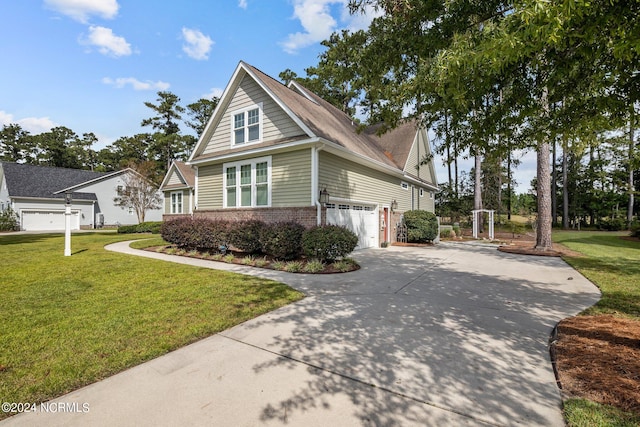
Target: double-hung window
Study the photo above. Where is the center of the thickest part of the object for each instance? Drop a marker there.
(247, 183)
(247, 125)
(176, 202)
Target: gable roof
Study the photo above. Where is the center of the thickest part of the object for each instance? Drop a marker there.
(34, 181)
(184, 171)
(319, 120)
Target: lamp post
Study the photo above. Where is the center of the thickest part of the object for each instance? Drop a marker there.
(67, 224)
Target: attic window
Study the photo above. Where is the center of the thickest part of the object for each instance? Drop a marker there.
(247, 125)
(404, 185)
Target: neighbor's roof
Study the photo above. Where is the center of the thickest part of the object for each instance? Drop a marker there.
(43, 181)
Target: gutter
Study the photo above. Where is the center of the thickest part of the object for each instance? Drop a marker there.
(315, 190)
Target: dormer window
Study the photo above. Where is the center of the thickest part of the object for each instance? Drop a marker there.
(247, 125)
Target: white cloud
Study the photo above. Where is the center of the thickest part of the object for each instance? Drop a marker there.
(318, 23)
(81, 10)
(107, 42)
(34, 125)
(197, 44)
(135, 83)
(315, 17)
(215, 92)
(242, 4)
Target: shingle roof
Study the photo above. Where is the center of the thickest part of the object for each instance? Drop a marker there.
(188, 173)
(327, 121)
(43, 181)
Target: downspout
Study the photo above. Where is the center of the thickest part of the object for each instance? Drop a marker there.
(315, 190)
(195, 201)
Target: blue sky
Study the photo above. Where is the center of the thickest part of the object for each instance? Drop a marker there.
(90, 65)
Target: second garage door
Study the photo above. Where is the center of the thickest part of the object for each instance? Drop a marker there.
(47, 220)
(360, 218)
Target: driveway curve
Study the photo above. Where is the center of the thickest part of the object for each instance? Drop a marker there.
(449, 335)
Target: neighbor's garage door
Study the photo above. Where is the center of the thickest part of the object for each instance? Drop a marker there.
(48, 220)
(359, 218)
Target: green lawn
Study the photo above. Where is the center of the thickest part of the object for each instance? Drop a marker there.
(613, 264)
(69, 321)
(610, 262)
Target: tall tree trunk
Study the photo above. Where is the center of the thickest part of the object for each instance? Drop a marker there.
(632, 131)
(447, 142)
(543, 232)
(565, 187)
(477, 191)
(509, 184)
(554, 184)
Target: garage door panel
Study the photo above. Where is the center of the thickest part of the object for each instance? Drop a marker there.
(48, 220)
(360, 219)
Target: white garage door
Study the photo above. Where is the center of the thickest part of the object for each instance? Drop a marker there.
(48, 220)
(360, 218)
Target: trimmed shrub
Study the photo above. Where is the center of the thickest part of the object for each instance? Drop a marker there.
(196, 233)
(328, 242)
(422, 226)
(282, 240)
(9, 220)
(143, 227)
(635, 229)
(245, 235)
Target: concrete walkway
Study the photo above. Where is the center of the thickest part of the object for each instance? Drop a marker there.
(440, 336)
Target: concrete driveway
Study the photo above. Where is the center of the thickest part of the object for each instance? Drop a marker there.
(445, 336)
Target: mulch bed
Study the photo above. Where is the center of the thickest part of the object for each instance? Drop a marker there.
(598, 358)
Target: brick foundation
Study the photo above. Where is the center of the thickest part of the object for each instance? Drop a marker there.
(307, 215)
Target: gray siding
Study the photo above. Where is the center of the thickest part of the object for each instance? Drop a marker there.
(174, 178)
(349, 180)
(276, 123)
(419, 150)
(291, 179)
(210, 187)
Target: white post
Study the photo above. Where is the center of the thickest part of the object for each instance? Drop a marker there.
(475, 224)
(491, 225)
(67, 230)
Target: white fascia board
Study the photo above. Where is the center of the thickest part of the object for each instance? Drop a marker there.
(93, 181)
(256, 151)
(234, 82)
(282, 105)
(218, 111)
(177, 170)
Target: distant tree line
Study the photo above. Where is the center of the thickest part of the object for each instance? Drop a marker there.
(62, 147)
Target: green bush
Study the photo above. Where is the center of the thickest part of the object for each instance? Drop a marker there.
(245, 236)
(422, 226)
(202, 234)
(613, 224)
(445, 233)
(9, 220)
(282, 240)
(143, 227)
(635, 229)
(328, 242)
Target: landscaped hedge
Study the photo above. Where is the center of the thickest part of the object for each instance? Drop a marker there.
(422, 226)
(282, 240)
(635, 229)
(245, 235)
(328, 242)
(143, 227)
(196, 233)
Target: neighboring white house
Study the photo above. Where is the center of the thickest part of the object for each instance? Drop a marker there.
(34, 193)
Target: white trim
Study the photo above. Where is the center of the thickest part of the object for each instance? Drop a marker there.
(252, 162)
(171, 194)
(195, 190)
(256, 151)
(245, 112)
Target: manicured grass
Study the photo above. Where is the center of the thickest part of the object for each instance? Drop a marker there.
(612, 264)
(69, 321)
(583, 413)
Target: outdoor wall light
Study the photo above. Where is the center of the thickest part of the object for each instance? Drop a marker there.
(67, 198)
(394, 205)
(324, 196)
